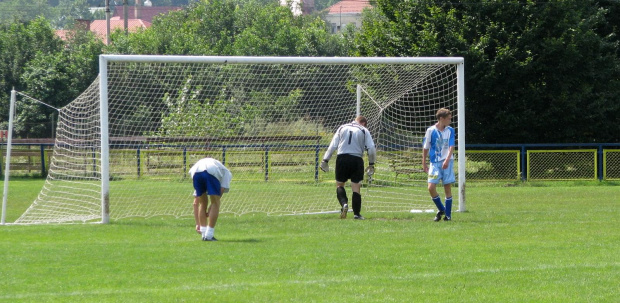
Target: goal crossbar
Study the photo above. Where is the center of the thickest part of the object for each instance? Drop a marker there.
(279, 60)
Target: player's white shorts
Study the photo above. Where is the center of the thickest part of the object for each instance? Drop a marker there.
(436, 173)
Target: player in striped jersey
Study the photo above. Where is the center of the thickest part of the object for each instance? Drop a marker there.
(438, 147)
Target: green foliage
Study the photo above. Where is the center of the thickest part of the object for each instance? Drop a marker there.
(36, 62)
(23, 11)
(57, 78)
(257, 114)
(60, 13)
(551, 78)
(188, 116)
(21, 43)
(535, 71)
(400, 28)
(69, 10)
(228, 27)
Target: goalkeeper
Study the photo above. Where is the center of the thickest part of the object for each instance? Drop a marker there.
(211, 178)
(351, 140)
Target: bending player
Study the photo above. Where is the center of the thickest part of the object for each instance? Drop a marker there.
(211, 178)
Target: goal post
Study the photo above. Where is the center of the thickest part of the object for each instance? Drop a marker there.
(461, 134)
(124, 146)
(105, 140)
(7, 166)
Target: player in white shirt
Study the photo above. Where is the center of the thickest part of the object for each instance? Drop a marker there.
(351, 140)
(211, 178)
(438, 147)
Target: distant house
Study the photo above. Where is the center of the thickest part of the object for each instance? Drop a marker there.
(346, 12)
(144, 13)
(99, 27)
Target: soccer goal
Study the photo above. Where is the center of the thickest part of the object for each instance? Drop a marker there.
(124, 146)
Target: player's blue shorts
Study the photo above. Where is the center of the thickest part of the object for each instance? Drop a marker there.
(436, 173)
(206, 183)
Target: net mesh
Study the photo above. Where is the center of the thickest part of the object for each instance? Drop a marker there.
(268, 123)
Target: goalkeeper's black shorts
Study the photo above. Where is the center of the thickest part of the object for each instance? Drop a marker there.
(349, 167)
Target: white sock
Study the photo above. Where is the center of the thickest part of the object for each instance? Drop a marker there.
(209, 232)
(203, 230)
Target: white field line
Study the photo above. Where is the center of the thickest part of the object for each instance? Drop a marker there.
(31, 294)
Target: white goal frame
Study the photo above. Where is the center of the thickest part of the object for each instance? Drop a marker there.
(103, 85)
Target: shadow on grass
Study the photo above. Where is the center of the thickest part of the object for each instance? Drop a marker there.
(239, 241)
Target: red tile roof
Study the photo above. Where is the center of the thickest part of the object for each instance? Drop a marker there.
(99, 26)
(62, 33)
(349, 6)
(147, 14)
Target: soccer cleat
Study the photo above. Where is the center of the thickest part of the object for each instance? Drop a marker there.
(446, 218)
(438, 216)
(344, 210)
(207, 239)
(359, 217)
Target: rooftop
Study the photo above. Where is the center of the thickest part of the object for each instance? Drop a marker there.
(349, 6)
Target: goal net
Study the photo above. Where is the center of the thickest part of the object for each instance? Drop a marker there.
(124, 147)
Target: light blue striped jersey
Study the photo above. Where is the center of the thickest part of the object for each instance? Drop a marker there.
(438, 143)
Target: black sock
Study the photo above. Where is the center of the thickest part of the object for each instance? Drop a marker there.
(357, 203)
(342, 196)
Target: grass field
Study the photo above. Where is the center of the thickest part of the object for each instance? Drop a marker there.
(525, 243)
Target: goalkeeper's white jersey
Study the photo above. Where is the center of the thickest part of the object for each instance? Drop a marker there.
(214, 168)
(352, 139)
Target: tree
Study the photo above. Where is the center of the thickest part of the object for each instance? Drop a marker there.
(228, 27)
(536, 72)
(276, 31)
(19, 44)
(543, 75)
(57, 78)
(22, 10)
(69, 10)
(60, 13)
(35, 61)
(611, 26)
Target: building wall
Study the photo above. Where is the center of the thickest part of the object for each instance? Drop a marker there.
(339, 21)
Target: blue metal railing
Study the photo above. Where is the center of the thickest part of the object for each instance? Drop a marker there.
(267, 148)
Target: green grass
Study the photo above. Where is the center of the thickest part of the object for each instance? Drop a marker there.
(523, 243)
